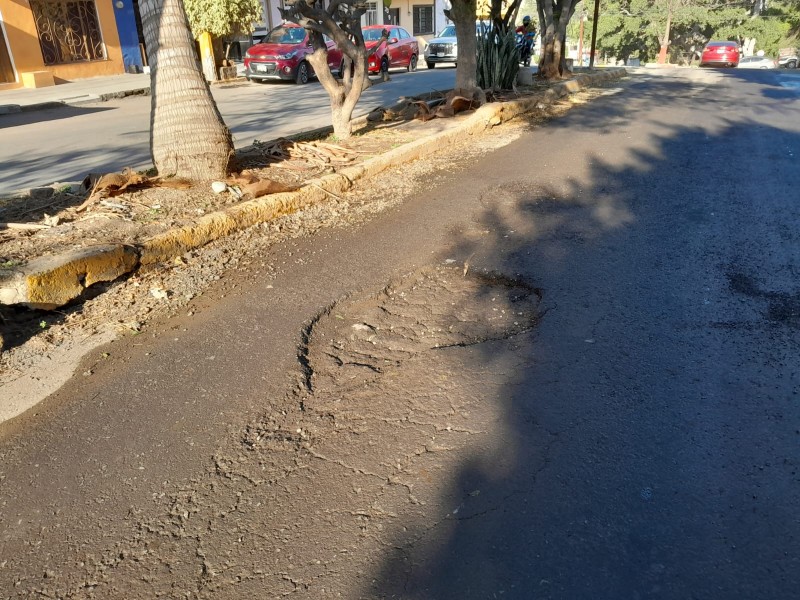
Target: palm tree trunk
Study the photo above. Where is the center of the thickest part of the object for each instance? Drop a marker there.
(188, 137)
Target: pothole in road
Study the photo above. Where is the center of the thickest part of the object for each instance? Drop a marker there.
(435, 308)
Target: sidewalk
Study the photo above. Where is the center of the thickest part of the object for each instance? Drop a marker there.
(80, 91)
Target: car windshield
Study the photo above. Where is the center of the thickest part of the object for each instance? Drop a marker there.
(449, 31)
(285, 35)
(372, 35)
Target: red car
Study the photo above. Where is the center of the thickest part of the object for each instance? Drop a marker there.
(721, 54)
(401, 50)
(281, 54)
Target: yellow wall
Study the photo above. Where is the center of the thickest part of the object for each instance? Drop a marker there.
(26, 54)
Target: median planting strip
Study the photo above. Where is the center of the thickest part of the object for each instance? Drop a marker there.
(50, 282)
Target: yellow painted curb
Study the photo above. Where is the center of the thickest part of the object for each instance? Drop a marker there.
(53, 281)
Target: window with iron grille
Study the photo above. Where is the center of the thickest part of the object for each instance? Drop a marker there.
(69, 30)
(423, 20)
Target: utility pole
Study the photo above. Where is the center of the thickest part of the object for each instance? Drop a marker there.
(662, 53)
(594, 32)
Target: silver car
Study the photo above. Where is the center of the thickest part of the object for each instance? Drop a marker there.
(756, 62)
(443, 48)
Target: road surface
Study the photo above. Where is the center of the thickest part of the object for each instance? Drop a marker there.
(564, 368)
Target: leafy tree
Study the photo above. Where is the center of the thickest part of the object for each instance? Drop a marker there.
(341, 22)
(222, 18)
(637, 27)
(188, 137)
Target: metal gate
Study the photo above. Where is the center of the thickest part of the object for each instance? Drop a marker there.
(69, 31)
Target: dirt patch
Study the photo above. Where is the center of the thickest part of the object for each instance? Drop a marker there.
(124, 307)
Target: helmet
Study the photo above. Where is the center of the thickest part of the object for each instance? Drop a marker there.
(526, 19)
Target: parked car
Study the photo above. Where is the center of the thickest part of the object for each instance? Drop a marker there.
(443, 48)
(788, 58)
(757, 62)
(281, 54)
(721, 54)
(401, 49)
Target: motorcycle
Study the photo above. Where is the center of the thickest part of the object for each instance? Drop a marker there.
(525, 45)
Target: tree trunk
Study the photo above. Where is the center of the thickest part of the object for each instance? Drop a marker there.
(344, 94)
(662, 53)
(462, 14)
(342, 123)
(188, 137)
(552, 64)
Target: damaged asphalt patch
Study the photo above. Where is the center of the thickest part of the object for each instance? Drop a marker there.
(308, 499)
(429, 310)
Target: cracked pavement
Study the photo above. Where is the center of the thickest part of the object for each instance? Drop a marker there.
(572, 373)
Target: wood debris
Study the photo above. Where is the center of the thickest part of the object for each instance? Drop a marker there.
(454, 102)
(264, 187)
(24, 226)
(318, 153)
(250, 185)
(114, 184)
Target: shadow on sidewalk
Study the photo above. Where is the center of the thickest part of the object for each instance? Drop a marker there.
(56, 113)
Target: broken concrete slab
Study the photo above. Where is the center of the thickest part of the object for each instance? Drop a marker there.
(52, 281)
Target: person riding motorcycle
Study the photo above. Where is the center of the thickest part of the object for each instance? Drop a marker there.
(527, 27)
(526, 34)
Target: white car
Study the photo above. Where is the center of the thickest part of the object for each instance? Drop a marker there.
(756, 62)
(444, 47)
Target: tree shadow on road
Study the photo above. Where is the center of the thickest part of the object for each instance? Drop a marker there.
(615, 480)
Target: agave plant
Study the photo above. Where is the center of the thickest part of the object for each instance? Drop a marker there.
(498, 60)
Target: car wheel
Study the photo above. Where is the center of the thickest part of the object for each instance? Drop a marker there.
(412, 64)
(341, 70)
(302, 74)
(792, 64)
(385, 64)
(430, 64)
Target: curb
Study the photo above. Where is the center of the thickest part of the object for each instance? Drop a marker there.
(53, 281)
(7, 109)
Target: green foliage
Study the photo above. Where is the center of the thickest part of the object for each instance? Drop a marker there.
(635, 27)
(498, 61)
(222, 18)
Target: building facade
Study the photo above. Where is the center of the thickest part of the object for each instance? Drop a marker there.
(421, 18)
(43, 42)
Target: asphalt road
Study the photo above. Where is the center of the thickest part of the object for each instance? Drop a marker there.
(640, 441)
(64, 144)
